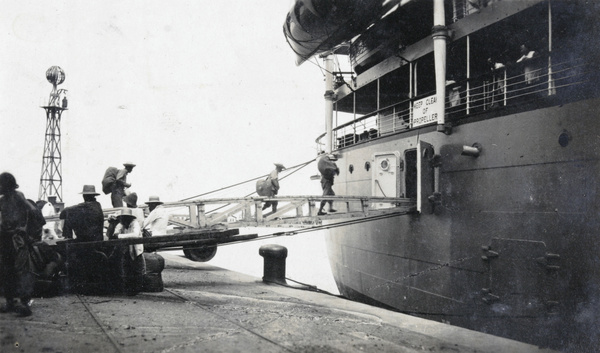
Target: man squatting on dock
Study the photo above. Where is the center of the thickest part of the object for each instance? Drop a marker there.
(133, 266)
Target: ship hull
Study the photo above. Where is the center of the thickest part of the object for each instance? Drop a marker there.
(511, 249)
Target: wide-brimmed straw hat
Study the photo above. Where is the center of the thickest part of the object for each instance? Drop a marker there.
(154, 199)
(126, 212)
(89, 190)
(279, 165)
(131, 199)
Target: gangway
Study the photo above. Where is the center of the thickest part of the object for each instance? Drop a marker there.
(292, 211)
(198, 226)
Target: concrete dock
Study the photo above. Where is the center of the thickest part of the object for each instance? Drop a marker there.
(209, 309)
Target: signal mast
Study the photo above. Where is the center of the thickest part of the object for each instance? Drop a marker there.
(51, 176)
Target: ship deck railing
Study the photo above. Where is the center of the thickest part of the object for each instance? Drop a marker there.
(502, 88)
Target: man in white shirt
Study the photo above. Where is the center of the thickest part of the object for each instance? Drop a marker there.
(530, 70)
(157, 221)
(133, 264)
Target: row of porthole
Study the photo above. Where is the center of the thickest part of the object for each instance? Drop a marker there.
(367, 167)
(385, 165)
(563, 141)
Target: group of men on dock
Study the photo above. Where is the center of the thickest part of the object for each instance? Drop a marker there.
(107, 268)
(87, 220)
(117, 269)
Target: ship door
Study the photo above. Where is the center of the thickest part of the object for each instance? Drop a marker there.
(385, 180)
(425, 177)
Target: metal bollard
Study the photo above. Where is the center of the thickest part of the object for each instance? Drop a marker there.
(274, 263)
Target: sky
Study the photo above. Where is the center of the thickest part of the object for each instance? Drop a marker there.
(199, 94)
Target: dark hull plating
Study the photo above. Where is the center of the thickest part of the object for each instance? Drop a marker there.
(511, 250)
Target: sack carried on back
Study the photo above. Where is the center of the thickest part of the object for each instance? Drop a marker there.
(263, 187)
(327, 167)
(110, 176)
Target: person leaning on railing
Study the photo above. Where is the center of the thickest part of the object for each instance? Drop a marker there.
(497, 87)
(530, 70)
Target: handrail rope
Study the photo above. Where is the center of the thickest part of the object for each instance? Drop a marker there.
(299, 167)
(247, 181)
(380, 188)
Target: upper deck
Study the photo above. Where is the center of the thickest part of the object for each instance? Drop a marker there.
(487, 75)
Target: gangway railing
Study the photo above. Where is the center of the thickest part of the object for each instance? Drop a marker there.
(208, 223)
(292, 211)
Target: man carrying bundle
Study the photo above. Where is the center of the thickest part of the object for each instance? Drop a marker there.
(115, 183)
(270, 187)
(328, 170)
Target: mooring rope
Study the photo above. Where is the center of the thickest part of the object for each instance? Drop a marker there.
(296, 167)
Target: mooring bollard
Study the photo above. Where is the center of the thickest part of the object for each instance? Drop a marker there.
(274, 263)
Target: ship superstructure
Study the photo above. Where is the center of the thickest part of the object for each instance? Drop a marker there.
(484, 113)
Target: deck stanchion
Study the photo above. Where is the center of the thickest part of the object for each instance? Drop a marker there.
(312, 211)
(259, 215)
(365, 205)
(199, 216)
(299, 211)
(247, 216)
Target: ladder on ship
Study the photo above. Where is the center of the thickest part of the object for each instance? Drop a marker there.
(199, 226)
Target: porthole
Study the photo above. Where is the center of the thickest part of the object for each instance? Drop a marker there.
(564, 138)
(384, 164)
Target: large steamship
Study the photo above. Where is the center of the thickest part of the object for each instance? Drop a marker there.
(486, 114)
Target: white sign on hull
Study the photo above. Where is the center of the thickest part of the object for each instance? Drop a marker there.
(426, 111)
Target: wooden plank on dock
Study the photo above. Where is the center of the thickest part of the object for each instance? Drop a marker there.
(200, 237)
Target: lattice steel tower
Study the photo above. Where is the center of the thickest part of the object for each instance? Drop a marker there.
(51, 176)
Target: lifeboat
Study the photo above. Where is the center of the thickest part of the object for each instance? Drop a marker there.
(314, 27)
